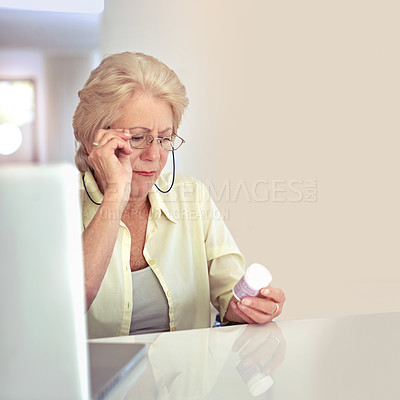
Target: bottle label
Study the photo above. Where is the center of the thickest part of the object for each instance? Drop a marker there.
(242, 289)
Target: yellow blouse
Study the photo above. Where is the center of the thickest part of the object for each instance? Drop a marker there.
(188, 247)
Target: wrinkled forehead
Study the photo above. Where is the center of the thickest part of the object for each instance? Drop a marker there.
(147, 113)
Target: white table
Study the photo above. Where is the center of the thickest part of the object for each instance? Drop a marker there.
(339, 358)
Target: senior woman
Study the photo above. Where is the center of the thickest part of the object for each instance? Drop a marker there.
(155, 254)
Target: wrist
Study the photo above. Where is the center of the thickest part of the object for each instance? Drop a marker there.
(114, 202)
(115, 192)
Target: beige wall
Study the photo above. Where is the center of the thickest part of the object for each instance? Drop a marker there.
(66, 73)
(293, 124)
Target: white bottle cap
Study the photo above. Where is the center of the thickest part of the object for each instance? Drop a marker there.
(258, 276)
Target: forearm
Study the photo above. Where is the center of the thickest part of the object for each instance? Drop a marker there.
(98, 242)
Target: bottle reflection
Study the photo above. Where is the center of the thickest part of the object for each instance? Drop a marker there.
(261, 351)
(201, 365)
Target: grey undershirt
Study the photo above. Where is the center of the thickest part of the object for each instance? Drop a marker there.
(150, 311)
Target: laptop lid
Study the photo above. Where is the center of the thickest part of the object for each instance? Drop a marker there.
(43, 334)
(43, 330)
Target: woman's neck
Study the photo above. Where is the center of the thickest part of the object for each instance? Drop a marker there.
(136, 208)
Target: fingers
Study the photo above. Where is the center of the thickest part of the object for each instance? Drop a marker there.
(110, 158)
(109, 144)
(274, 294)
(263, 308)
(260, 315)
(104, 136)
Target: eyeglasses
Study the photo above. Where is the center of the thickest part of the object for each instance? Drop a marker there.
(144, 140)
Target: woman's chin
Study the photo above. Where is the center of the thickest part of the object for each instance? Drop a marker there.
(141, 188)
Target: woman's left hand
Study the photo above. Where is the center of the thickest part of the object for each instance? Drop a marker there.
(257, 310)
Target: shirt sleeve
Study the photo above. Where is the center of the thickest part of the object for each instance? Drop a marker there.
(225, 261)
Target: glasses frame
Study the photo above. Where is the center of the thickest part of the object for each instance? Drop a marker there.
(160, 142)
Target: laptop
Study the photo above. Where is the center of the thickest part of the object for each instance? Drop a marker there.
(43, 338)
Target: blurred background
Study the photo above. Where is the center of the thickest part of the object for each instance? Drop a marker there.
(292, 124)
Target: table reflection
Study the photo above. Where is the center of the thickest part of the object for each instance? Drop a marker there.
(200, 365)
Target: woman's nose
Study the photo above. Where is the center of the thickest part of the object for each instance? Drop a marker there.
(151, 153)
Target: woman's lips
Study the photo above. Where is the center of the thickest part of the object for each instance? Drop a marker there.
(145, 173)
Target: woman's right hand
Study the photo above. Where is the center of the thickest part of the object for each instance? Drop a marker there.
(110, 160)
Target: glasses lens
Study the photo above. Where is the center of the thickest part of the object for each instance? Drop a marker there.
(139, 141)
(144, 140)
(166, 143)
(173, 143)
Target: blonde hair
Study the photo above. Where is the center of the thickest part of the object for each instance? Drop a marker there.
(111, 85)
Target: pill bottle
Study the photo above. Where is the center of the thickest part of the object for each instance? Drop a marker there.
(256, 277)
